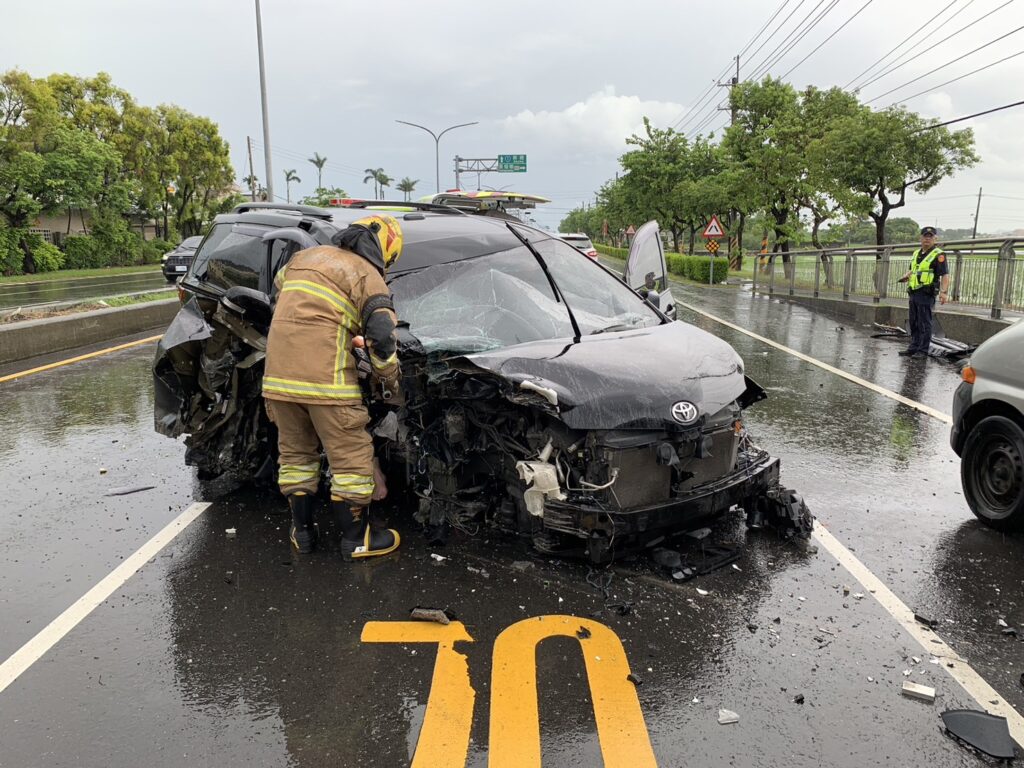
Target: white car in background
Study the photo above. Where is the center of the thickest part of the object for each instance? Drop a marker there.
(581, 242)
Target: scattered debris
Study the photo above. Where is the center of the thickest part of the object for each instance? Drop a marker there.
(634, 679)
(127, 489)
(908, 672)
(752, 627)
(827, 631)
(229, 577)
(522, 565)
(620, 609)
(727, 717)
(700, 533)
(1002, 623)
(917, 691)
(583, 633)
(940, 346)
(683, 566)
(802, 599)
(858, 595)
(436, 615)
(871, 679)
(930, 623)
(695, 700)
(777, 620)
(846, 590)
(702, 592)
(737, 568)
(916, 659)
(798, 699)
(1010, 631)
(103, 470)
(986, 733)
(230, 531)
(478, 571)
(438, 558)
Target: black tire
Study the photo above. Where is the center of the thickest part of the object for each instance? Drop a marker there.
(172, 279)
(992, 472)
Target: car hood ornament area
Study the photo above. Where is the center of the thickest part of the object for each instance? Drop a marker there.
(684, 412)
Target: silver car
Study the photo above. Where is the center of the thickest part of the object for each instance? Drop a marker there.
(988, 430)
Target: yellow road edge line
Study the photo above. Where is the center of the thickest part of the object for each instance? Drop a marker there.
(961, 671)
(55, 631)
(79, 358)
(925, 409)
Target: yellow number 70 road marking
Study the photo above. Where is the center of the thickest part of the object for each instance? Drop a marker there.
(515, 722)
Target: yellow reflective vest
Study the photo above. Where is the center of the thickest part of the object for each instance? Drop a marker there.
(921, 273)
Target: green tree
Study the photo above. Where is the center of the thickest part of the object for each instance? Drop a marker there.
(373, 174)
(322, 197)
(383, 180)
(407, 186)
(289, 177)
(319, 162)
(880, 156)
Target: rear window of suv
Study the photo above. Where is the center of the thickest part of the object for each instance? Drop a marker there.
(232, 254)
(583, 243)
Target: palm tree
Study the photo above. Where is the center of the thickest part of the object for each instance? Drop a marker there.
(319, 162)
(384, 181)
(289, 177)
(374, 175)
(406, 186)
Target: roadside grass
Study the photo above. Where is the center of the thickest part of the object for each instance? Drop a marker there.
(66, 274)
(85, 306)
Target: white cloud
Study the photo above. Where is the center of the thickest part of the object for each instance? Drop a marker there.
(597, 125)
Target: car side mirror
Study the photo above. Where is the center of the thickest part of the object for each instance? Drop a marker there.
(653, 298)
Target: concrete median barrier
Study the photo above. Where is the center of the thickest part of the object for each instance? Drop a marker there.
(30, 338)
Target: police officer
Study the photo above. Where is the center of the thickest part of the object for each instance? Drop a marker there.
(927, 277)
(328, 298)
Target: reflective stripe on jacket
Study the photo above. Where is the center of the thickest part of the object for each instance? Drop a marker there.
(921, 274)
(321, 294)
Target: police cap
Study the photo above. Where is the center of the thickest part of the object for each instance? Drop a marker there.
(925, 231)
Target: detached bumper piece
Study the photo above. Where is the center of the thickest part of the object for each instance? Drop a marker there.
(754, 486)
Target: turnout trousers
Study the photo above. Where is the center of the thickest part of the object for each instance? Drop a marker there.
(921, 305)
(341, 429)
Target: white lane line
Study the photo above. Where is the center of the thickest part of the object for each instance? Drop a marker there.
(49, 636)
(983, 693)
(945, 418)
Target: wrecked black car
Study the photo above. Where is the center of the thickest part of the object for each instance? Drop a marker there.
(542, 394)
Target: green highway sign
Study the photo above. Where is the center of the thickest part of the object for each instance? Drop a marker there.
(512, 163)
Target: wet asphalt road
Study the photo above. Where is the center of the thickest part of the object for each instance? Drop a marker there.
(26, 295)
(226, 650)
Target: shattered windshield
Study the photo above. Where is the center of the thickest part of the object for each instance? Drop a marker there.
(505, 298)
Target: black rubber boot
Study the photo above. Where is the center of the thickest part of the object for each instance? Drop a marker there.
(303, 532)
(359, 539)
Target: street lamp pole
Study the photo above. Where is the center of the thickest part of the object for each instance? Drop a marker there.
(437, 145)
(263, 102)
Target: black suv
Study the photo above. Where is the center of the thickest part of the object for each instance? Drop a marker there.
(543, 395)
(175, 263)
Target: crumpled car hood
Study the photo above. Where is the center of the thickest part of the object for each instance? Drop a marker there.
(625, 380)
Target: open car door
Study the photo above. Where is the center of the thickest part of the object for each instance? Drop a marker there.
(646, 271)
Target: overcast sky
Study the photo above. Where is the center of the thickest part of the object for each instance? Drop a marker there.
(561, 81)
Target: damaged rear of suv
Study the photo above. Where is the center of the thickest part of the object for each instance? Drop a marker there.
(543, 395)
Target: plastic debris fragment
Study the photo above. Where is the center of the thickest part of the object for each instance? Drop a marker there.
(727, 717)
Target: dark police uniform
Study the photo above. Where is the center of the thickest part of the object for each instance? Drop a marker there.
(927, 269)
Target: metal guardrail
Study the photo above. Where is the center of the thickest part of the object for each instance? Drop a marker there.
(985, 272)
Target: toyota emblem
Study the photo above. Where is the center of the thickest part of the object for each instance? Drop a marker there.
(684, 412)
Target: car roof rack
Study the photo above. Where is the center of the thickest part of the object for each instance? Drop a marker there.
(393, 204)
(305, 210)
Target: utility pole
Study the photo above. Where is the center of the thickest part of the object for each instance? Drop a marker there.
(263, 102)
(252, 173)
(733, 82)
(977, 211)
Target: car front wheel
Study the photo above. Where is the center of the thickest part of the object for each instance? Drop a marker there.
(992, 471)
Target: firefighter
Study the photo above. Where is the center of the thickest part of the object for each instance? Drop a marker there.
(326, 297)
(927, 278)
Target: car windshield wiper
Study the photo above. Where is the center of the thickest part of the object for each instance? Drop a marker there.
(615, 327)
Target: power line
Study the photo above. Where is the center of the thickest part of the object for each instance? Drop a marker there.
(899, 45)
(943, 66)
(820, 45)
(774, 58)
(973, 72)
(698, 109)
(968, 117)
(784, 22)
(700, 99)
(933, 45)
(764, 27)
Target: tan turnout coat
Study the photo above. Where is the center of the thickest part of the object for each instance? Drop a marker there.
(321, 296)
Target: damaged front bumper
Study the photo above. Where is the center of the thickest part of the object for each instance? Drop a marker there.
(608, 532)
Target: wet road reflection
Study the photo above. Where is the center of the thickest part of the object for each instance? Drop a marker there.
(228, 651)
(27, 295)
